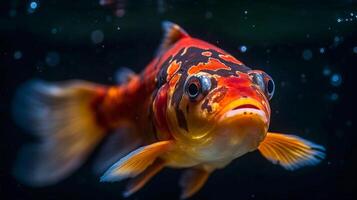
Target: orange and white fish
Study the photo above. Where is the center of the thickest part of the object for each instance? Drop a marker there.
(194, 106)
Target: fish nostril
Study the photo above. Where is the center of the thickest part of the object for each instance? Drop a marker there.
(246, 106)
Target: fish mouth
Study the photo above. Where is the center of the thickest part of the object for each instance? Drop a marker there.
(244, 109)
(241, 127)
(245, 112)
(246, 106)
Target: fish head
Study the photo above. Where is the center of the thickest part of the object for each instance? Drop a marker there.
(216, 116)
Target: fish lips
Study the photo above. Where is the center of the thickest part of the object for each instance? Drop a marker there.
(242, 128)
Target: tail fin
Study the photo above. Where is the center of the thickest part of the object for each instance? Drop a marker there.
(62, 116)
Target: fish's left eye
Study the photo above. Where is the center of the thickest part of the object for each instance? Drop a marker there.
(269, 87)
(197, 86)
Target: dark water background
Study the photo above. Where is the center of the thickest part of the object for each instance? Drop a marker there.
(308, 47)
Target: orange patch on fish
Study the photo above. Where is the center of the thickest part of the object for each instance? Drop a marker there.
(174, 80)
(173, 68)
(207, 53)
(212, 64)
(230, 58)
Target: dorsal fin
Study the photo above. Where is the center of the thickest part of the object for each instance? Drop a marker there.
(172, 33)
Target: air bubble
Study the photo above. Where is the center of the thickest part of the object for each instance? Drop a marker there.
(52, 59)
(322, 50)
(334, 97)
(355, 48)
(307, 54)
(97, 36)
(33, 5)
(326, 71)
(17, 55)
(336, 80)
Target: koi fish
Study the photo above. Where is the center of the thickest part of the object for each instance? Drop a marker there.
(194, 106)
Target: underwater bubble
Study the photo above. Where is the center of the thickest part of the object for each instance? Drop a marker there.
(54, 30)
(303, 78)
(120, 12)
(322, 50)
(52, 58)
(339, 20)
(97, 36)
(246, 12)
(33, 5)
(40, 67)
(12, 13)
(118, 28)
(17, 55)
(243, 48)
(338, 39)
(334, 96)
(355, 48)
(208, 15)
(283, 84)
(326, 71)
(336, 80)
(307, 54)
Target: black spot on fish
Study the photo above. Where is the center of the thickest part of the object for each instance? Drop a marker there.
(206, 105)
(213, 83)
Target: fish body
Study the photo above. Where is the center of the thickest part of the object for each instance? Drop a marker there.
(194, 106)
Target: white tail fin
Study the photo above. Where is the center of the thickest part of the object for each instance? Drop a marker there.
(63, 118)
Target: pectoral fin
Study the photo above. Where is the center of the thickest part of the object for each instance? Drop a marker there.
(290, 151)
(138, 182)
(192, 180)
(136, 162)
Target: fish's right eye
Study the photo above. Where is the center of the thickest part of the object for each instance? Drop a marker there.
(196, 87)
(193, 89)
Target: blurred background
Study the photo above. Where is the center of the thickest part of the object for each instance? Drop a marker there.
(308, 47)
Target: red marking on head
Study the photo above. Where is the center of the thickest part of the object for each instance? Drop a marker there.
(212, 64)
(206, 53)
(160, 107)
(241, 87)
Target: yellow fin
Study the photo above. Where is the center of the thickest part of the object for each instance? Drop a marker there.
(192, 180)
(290, 151)
(136, 162)
(138, 182)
